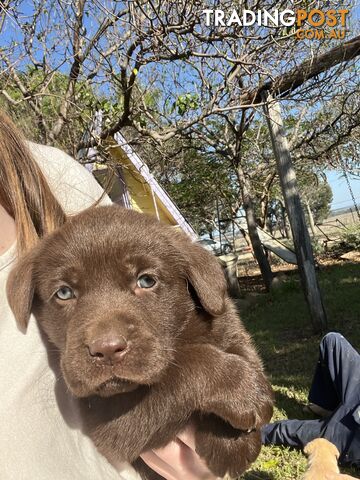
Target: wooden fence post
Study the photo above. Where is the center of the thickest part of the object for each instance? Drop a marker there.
(229, 264)
(296, 215)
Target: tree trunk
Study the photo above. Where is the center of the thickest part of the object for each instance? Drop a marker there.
(311, 219)
(284, 219)
(258, 250)
(296, 216)
(264, 203)
(244, 233)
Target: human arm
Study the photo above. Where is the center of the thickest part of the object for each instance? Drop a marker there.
(178, 459)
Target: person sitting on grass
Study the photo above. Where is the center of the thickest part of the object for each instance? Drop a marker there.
(335, 396)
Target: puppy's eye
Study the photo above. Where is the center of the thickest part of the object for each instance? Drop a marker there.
(145, 281)
(64, 293)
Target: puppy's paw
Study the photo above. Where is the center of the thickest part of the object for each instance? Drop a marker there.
(243, 412)
(250, 417)
(242, 396)
(225, 449)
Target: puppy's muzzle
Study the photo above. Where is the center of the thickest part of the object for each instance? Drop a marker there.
(109, 348)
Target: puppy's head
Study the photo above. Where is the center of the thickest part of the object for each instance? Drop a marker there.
(321, 447)
(114, 290)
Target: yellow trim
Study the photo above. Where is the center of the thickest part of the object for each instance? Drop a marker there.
(140, 193)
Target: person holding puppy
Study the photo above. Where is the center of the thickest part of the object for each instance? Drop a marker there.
(335, 396)
(41, 428)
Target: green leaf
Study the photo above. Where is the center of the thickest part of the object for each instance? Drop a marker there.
(269, 464)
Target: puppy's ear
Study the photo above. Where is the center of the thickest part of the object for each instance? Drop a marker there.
(207, 278)
(20, 289)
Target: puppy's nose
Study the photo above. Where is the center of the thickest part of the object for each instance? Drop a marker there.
(109, 348)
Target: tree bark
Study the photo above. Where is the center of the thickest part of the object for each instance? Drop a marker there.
(284, 219)
(258, 250)
(311, 219)
(296, 216)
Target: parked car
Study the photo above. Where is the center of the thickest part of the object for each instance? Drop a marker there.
(214, 246)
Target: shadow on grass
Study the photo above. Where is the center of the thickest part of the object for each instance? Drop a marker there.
(291, 407)
(257, 475)
(281, 327)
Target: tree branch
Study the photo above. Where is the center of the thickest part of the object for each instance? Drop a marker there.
(290, 81)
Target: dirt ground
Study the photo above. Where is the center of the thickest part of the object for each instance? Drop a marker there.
(250, 280)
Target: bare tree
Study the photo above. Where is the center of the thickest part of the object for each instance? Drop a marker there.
(157, 66)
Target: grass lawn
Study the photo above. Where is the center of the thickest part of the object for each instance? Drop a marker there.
(280, 325)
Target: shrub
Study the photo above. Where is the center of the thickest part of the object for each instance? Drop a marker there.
(350, 238)
(318, 247)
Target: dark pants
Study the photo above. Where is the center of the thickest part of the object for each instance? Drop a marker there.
(337, 374)
(335, 387)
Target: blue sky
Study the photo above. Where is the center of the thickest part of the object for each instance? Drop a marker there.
(341, 194)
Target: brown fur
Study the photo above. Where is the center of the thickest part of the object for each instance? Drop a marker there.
(322, 462)
(190, 357)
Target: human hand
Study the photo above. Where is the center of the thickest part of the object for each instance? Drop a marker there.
(178, 460)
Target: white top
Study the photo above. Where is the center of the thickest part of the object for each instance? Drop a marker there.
(40, 438)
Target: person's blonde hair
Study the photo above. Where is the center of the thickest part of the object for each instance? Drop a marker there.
(24, 192)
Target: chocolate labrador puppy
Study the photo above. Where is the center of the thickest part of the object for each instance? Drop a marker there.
(148, 338)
